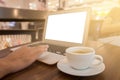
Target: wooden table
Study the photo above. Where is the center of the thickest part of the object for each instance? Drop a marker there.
(41, 71)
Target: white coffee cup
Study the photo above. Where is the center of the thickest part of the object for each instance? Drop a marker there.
(82, 57)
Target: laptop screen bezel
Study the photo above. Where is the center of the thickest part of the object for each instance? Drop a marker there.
(68, 44)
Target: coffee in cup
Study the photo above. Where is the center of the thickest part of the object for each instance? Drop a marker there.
(82, 51)
(82, 57)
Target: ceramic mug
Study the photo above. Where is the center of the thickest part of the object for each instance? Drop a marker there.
(82, 57)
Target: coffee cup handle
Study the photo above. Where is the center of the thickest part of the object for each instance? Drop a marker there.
(99, 60)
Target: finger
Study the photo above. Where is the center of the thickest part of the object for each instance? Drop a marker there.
(36, 51)
(45, 46)
(41, 47)
(21, 49)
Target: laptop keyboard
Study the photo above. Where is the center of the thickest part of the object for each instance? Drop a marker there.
(56, 49)
(53, 48)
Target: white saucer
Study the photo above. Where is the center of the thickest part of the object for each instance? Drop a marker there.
(64, 67)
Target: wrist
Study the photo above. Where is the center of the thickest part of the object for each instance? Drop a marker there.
(5, 67)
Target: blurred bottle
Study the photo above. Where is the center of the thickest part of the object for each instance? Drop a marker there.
(2, 3)
(41, 5)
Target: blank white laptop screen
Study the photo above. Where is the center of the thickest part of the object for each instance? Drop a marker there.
(67, 28)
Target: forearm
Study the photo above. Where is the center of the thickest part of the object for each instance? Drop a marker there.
(5, 68)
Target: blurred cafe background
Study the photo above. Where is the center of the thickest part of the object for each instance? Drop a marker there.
(104, 24)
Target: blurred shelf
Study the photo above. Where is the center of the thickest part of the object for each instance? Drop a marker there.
(24, 15)
(15, 14)
(6, 32)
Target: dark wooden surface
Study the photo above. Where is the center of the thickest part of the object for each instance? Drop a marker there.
(41, 71)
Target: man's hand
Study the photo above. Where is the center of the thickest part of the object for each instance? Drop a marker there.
(21, 58)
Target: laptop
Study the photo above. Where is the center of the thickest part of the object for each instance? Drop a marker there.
(68, 27)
